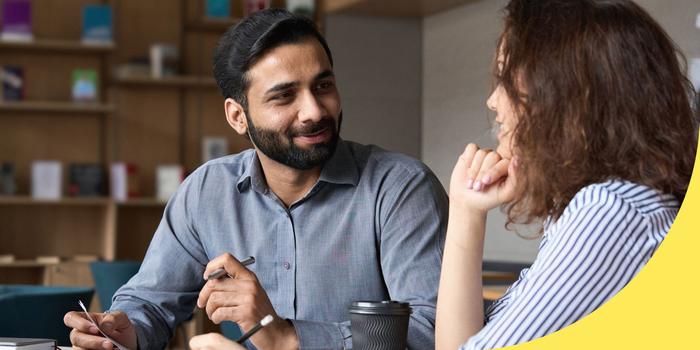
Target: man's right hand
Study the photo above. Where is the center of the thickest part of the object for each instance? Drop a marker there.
(86, 336)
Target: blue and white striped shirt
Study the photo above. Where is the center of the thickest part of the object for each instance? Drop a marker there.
(601, 241)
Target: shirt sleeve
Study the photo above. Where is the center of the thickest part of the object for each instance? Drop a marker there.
(164, 291)
(591, 253)
(412, 225)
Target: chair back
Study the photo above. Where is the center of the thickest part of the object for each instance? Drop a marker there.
(37, 311)
(110, 276)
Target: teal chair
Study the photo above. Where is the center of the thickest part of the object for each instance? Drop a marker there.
(109, 276)
(37, 311)
(230, 330)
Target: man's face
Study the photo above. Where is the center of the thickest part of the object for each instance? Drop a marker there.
(294, 113)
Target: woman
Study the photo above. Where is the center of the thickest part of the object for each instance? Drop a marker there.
(597, 141)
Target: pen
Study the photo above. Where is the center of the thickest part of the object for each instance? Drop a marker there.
(221, 272)
(264, 322)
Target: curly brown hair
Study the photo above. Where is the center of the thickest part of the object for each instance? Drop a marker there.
(601, 93)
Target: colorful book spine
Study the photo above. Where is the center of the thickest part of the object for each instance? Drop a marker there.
(16, 20)
(97, 24)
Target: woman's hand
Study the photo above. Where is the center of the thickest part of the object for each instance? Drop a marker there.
(482, 180)
(213, 341)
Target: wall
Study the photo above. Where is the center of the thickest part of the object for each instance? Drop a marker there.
(378, 69)
(458, 46)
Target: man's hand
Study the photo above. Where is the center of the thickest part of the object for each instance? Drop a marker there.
(86, 336)
(213, 341)
(242, 299)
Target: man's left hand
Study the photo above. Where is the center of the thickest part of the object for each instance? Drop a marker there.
(242, 299)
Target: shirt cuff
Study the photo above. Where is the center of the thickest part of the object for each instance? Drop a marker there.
(322, 335)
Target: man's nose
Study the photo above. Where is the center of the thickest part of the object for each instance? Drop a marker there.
(310, 110)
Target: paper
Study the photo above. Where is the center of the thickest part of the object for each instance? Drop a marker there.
(119, 346)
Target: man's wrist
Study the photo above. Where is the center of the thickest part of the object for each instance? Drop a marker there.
(281, 335)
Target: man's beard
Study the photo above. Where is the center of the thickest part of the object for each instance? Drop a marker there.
(280, 147)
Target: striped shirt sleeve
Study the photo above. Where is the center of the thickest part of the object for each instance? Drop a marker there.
(587, 256)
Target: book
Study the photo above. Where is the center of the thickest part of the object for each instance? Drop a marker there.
(85, 258)
(27, 344)
(213, 147)
(84, 85)
(302, 7)
(218, 9)
(47, 179)
(164, 60)
(97, 24)
(8, 186)
(48, 259)
(252, 6)
(16, 20)
(168, 179)
(85, 180)
(12, 83)
(123, 181)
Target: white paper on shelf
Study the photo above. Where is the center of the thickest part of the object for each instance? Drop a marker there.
(46, 179)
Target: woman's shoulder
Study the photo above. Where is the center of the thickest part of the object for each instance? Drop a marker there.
(614, 204)
(621, 193)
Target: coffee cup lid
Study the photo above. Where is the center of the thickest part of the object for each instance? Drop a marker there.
(385, 307)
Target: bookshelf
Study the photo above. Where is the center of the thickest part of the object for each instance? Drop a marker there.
(138, 119)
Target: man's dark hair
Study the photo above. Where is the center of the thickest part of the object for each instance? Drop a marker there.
(245, 43)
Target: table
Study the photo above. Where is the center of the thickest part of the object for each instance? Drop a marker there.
(492, 293)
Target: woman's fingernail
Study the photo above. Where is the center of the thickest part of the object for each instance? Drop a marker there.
(107, 326)
(486, 179)
(94, 330)
(477, 186)
(470, 182)
(107, 345)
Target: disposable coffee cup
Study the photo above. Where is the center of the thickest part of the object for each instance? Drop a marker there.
(379, 325)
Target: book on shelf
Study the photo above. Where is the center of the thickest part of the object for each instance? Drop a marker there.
(16, 20)
(123, 181)
(8, 186)
(252, 6)
(47, 177)
(218, 9)
(97, 24)
(213, 147)
(85, 180)
(7, 258)
(301, 7)
(13, 85)
(49, 259)
(164, 60)
(85, 86)
(27, 344)
(168, 179)
(85, 258)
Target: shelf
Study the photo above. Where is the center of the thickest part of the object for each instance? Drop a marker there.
(142, 202)
(84, 201)
(72, 201)
(56, 107)
(179, 81)
(59, 46)
(211, 25)
(25, 263)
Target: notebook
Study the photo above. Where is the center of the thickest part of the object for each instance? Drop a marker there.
(27, 344)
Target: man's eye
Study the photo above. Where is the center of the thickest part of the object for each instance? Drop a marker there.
(324, 85)
(282, 96)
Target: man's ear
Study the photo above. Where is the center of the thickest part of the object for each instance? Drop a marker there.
(235, 116)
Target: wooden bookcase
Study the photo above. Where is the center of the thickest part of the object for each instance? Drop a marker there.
(138, 120)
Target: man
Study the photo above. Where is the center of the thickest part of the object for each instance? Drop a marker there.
(328, 221)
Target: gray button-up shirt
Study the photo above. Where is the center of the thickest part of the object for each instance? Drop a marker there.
(372, 228)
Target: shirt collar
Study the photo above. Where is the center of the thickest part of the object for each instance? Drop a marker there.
(340, 169)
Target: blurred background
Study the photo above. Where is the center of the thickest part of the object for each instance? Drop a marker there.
(107, 105)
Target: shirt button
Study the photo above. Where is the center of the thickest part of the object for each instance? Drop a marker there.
(287, 265)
